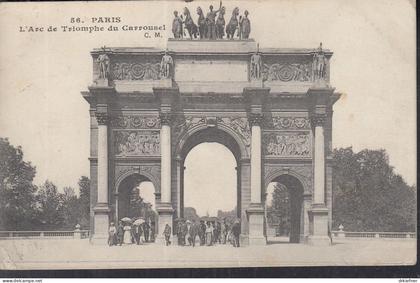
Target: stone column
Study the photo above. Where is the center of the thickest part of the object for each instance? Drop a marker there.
(101, 210)
(255, 121)
(256, 209)
(319, 160)
(319, 212)
(165, 209)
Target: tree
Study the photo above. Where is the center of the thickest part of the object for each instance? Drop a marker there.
(17, 193)
(368, 195)
(84, 201)
(190, 213)
(71, 208)
(230, 216)
(50, 206)
(278, 212)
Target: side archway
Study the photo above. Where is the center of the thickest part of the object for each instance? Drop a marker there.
(284, 209)
(130, 203)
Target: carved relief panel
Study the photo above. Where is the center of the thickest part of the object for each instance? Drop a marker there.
(287, 144)
(136, 143)
(286, 136)
(135, 135)
(146, 69)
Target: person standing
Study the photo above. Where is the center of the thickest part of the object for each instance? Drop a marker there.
(146, 231)
(120, 233)
(167, 234)
(236, 231)
(224, 232)
(209, 234)
(127, 234)
(112, 234)
(179, 233)
(202, 233)
(134, 234)
(188, 233)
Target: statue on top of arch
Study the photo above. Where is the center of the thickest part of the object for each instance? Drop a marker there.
(211, 26)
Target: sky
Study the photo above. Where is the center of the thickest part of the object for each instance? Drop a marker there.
(42, 73)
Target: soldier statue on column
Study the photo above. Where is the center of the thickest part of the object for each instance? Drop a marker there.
(166, 66)
(256, 65)
(319, 65)
(103, 61)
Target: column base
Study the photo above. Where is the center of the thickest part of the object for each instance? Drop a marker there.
(101, 224)
(318, 217)
(255, 213)
(165, 212)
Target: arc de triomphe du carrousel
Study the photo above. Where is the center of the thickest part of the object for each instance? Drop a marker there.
(272, 107)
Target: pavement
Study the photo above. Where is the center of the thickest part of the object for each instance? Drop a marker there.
(80, 254)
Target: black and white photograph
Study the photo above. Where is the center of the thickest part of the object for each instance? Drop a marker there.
(207, 134)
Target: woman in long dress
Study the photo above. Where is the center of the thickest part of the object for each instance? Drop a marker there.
(127, 234)
(209, 234)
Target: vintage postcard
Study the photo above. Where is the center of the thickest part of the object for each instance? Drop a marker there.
(161, 134)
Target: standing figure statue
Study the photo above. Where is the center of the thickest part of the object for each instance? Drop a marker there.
(220, 24)
(202, 24)
(233, 24)
(211, 22)
(319, 64)
(190, 26)
(177, 26)
(166, 66)
(256, 65)
(244, 26)
(103, 61)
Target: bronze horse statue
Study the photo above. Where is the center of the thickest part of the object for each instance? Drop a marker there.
(202, 23)
(190, 26)
(233, 24)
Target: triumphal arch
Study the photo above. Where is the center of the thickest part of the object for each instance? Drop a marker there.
(271, 107)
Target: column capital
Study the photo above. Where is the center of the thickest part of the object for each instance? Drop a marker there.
(165, 118)
(102, 118)
(255, 119)
(318, 119)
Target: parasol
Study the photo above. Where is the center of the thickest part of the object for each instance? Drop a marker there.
(126, 219)
(139, 221)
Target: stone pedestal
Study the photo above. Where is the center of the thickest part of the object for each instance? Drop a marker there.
(102, 83)
(255, 83)
(101, 220)
(318, 216)
(256, 224)
(165, 212)
(164, 83)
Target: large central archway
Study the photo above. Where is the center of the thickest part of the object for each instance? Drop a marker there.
(204, 136)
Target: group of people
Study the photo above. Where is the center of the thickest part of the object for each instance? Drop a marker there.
(127, 233)
(208, 233)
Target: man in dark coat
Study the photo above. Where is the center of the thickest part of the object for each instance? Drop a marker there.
(236, 231)
(146, 230)
(120, 233)
(202, 233)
